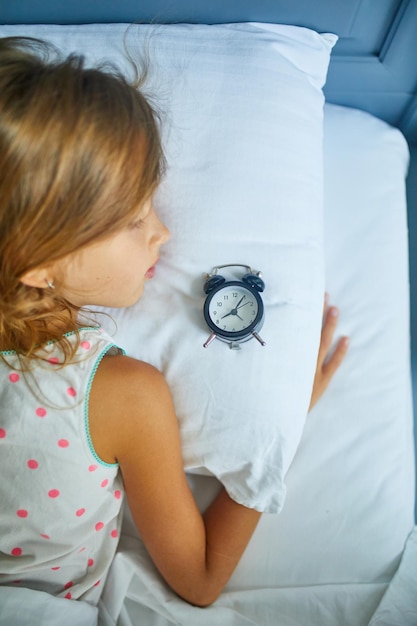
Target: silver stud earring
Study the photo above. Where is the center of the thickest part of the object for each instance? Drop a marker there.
(50, 283)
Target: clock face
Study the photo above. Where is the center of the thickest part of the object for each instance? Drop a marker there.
(233, 309)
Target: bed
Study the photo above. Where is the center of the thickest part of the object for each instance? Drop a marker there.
(314, 195)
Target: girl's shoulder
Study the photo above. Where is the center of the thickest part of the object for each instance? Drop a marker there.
(122, 375)
(126, 394)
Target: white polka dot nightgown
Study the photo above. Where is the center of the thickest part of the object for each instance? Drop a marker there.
(60, 505)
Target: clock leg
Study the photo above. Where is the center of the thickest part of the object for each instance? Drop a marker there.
(261, 341)
(209, 340)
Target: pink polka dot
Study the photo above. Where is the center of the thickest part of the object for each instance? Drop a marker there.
(16, 552)
(22, 513)
(13, 377)
(63, 443)
(55, 569)
(53, 493)
(105, 483)
(68, 596)
(68, 585)
(82, 550)
(117, 494)
(97, 583)
(85, 345)
(90, 562)
(53, 360)
(114, 534)
(71, 392)
(32, 464)
(2, 433)
(80, 512)
(92, 468)
(45, 537)
(99, 526)
(40, 412)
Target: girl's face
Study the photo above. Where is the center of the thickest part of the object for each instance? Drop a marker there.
(113, 272)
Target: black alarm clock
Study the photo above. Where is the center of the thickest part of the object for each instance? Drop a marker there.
(233, 309)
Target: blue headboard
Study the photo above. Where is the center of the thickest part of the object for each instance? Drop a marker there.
(373, 65)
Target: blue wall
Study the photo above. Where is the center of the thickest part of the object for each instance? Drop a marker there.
(324, 15)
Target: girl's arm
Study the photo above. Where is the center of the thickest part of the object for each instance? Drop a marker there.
(133, 421)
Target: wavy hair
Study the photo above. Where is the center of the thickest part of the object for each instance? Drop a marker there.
(71, 172)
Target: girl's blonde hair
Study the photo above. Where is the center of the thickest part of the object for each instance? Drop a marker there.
(80, 151)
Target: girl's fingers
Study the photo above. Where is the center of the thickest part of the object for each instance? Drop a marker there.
(328, 361)
(335, 360)
(326, 304)
(327, 333)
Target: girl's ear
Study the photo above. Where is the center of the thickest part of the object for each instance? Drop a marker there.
(38, 277)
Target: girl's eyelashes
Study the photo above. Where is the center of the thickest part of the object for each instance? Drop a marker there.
(136, 224)
(140, 219)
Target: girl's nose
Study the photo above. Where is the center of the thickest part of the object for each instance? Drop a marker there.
(165, 233)
(162, 233)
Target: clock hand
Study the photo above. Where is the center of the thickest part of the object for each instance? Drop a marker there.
(234, 312)
(235, 309)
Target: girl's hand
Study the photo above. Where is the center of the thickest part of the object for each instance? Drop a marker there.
(327, 365)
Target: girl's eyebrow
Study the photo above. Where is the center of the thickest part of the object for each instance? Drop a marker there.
(143, 213)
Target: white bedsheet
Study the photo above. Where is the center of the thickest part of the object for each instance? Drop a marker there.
(329, 557)
(24, 607)
(335, 555)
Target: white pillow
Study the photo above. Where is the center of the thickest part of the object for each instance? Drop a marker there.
(243, 137)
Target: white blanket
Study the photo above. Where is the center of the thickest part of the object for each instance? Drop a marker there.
(24, 607)
(332, 556)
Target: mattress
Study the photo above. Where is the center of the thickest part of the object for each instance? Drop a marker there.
(331, 554)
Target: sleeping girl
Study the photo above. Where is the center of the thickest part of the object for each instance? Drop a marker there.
(82, 425)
